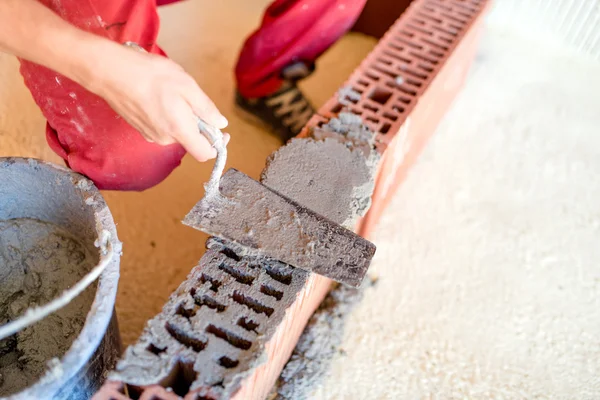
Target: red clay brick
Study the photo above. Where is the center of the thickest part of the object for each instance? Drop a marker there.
(430, 48)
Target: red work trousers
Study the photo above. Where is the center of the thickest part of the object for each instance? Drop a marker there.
(95, 141)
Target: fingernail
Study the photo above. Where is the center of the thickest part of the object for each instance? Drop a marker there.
(222, 122)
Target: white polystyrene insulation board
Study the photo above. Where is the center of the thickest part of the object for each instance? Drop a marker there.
(574, 23)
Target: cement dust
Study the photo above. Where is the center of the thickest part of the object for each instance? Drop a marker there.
(38, 261)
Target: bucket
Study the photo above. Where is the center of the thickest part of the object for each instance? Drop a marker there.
(55, 229)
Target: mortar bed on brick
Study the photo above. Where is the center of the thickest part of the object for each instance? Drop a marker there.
(231, 337)
(212, 328)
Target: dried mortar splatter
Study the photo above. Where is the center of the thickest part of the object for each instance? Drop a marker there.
(38, 261)
(319, 344)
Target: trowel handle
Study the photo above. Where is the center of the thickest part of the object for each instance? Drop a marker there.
(211, 133)
(215, 138)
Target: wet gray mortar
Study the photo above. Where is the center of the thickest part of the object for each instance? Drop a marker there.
(215, 326)
(79, 203)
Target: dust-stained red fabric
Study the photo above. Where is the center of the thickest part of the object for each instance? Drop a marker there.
(291, 31)
(95, 141)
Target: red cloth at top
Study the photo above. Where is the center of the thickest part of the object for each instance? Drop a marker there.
(95, 141)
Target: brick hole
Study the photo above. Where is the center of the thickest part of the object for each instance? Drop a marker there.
(206, 397)
(370, 107)
(398, 109)
(236, 274)
(413, 82)
(384, 61)
(419, 29)
(228, 363)
(214, 284)
(404, 70)
(430, 9)
(269, 291)
(398, 57)
(220, 384)
(429, 17)
(423, 58)
(385, 128)
(464, 6)
(436, 53)
(181, 378)
(373, 120)
(461, 21)
(410, 44)
(406, 33)
(122, 388)
(372, 76)
(380, 96)
(363, 83)
(252, 304)
(211, 303)
(462, 13)
(458, 28)
(439, 4)
(452, 33)
(133, 392)
(247, 324)
(184, 312)
(152, 348)
(229, 337)
(405, 100)
(320, 124)
(337, 108)
(406, 90)
(278, 275)
(434, 44)
(185, 338)
(390, 116)
(444, 39)
(227, 252)
(418, 21)
(425, 68)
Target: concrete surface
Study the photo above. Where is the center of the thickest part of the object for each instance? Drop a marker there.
(159, 251)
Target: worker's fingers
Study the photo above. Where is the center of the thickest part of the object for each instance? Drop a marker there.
(204, 107)
(188, 135)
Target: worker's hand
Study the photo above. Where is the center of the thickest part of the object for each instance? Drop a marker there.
(158, 98)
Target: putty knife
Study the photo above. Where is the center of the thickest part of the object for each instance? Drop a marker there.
(260, 222)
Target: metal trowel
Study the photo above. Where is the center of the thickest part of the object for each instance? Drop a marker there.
(258, 221)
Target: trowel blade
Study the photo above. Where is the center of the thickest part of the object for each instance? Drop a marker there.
(258, 221)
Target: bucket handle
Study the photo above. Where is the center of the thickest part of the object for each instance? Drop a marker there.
(35, 314)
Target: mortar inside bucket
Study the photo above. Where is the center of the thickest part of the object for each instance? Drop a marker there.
(51, 220)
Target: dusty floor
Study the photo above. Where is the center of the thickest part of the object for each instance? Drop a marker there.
(204, 37)
(488, 257)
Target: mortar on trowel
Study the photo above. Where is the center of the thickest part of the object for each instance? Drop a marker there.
(258, 221)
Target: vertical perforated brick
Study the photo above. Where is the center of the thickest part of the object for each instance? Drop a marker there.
(229, 312)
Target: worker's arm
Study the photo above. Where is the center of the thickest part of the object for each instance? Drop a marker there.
(151, 92)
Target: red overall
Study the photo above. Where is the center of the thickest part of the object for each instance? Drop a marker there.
(96, 142)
